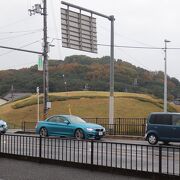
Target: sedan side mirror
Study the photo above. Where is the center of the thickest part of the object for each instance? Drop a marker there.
(67, 122)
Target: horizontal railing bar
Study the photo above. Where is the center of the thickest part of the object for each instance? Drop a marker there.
(95, 141)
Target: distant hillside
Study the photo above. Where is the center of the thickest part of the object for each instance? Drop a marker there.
(85, 73)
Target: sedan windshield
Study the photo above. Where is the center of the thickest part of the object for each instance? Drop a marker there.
(75, 119)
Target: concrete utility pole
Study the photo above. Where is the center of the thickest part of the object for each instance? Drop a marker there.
(45, 65)
(165, 75)
(111, 97)
(37, 9)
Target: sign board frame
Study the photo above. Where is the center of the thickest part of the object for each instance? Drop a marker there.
(78, 31)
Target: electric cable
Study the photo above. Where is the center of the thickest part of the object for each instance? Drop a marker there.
(130, 57)
(16, 22)
(22, 35)
(120, 35)
(20, 47)
(131, 47)
(14, 32)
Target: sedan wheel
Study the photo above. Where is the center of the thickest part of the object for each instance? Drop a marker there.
(152, 139)
(43, 132)
(79, 134)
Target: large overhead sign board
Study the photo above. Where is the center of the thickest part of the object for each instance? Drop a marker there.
(78, 31)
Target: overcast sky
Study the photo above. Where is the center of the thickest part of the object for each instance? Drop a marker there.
(138, 23)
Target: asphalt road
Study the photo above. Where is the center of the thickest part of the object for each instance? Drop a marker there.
(11, 169)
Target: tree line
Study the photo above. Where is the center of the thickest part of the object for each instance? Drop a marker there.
(79, 72)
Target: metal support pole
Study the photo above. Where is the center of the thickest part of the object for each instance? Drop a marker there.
(160, 159)
(92, 152)
(112, 19)
(165, 75)
(40, 148)
(45, 64)
(111, 97)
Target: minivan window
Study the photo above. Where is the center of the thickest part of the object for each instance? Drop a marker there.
(165, 119)
(176, 120)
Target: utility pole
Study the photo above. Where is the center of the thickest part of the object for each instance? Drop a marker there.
(45, 65)
(37, 9)
(111, 97)
(165, 75)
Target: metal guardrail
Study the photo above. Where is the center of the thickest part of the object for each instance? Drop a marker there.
(122, 126)
(142, 158)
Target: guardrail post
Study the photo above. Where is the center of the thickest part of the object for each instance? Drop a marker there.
(114, 129)
(92, 152)
(24, 126)
(40, 147)
(160, 159)
(0, 142)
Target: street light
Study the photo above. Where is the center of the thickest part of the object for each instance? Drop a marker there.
(165, 75)
(66, 89)
(37, 91)
(65, 84)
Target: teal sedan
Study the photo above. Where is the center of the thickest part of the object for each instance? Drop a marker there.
(69, 126)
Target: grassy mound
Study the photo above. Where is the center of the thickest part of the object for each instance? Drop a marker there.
(89, 104)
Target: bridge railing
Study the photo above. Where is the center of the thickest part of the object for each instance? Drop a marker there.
(121, 126)
(120, 156)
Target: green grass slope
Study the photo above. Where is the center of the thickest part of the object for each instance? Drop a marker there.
(89, 104)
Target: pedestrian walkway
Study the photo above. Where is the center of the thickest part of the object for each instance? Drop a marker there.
(11, 169)
(13, 130)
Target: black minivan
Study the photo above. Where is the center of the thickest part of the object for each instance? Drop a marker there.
(163, 127)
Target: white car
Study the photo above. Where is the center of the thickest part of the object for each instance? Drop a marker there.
(3, 127)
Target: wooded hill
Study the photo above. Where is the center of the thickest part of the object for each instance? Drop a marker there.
(85, 73)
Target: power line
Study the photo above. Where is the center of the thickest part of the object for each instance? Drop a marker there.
(130, 57)
(55, 26)
(139, 47)
(130, 39)
(20, 47)
(12, 37)
(16, 22)
(131, 47)
(14, 32)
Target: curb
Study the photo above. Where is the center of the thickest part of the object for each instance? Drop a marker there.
(125, 137)
(106, 136)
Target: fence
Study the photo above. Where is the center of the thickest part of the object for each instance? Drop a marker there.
(135, 157)
(121, 126)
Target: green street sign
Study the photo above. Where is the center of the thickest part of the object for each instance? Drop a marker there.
(40, 63)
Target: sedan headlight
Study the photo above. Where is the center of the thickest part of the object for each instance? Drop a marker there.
(90, 129)
(5, 125)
